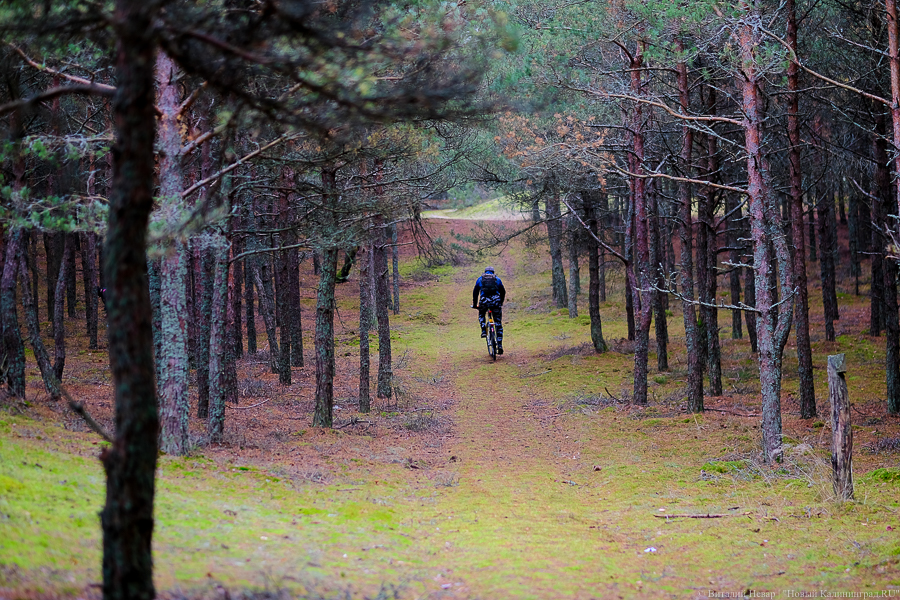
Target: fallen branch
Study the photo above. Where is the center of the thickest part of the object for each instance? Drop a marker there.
(730, 412)
(246, 407)
(608, 393)
(706, 516)
(78, 408)
(353, 421)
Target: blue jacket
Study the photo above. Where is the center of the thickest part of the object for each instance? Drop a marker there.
(494, 300)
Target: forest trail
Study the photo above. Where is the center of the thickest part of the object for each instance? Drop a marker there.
(544, 486)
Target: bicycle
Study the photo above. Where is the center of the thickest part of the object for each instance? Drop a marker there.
(491, 330)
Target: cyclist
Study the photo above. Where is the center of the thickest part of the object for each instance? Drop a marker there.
(491, 293)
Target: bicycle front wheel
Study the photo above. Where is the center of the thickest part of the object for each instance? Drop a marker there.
(492, 342)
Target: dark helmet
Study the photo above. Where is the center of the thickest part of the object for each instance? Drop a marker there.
(489, 269)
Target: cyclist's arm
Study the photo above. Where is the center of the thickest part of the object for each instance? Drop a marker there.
(502, 292)
(475, 291)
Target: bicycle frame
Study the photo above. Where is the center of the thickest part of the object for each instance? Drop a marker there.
(491, 334)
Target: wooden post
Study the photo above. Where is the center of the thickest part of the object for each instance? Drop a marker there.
(841, 432)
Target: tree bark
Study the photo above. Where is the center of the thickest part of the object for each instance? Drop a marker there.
(89, 267)
(382, 297)
(841, 429)
(203, 323)
(804, 349)
(573, 226)
(692, 334)
(59, 316)
(37, 344)
(657, 263)
(594, 258)
(554, 235)
(395, 267)
(13, 359)
(174, 403)
(365, 320)
(53, 253)
(130, 463)
(267, 308)
(774, 320)
(219, 352)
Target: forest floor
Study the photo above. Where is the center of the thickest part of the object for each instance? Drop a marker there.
(528, 477)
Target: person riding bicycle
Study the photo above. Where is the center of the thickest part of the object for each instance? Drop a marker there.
(491, 293)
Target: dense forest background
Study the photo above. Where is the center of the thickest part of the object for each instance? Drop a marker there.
(176, 163)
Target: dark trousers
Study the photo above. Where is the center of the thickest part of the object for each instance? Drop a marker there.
(498, 319)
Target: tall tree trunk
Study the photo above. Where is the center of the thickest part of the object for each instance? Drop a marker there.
(881, 195)
(324, 343)
(602, 218)
(825, 209)
(573, 226)
(554, 235)
(774, 320)
(714, 355)
(642, 296)
(53, 253)
(853, 228)
(395, 268)
(203, 323)
(13, 358)
(804, 349)
(130, 462)
(283, 298)
(686, 237)
(249, 286)
(219, 352)
(267, 308)
(89, 267)
(365, 319)
(296, 323)
(734, 257)
(590, 214)
(235, 293)
(174, 403)
(59, 316)
(71, 279)
(382, 297)
(657, 264)
(34, 334)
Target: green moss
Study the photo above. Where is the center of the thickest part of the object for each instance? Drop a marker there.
(889, 475)
(724, 466)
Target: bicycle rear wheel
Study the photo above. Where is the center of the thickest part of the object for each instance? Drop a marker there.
(492, 342)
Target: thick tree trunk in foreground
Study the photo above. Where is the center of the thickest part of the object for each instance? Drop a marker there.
(130, 463)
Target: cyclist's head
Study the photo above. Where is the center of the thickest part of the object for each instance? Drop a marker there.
(489, 269)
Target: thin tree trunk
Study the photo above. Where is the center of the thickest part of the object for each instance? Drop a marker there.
(37, 344)
(590, 214)
(804, 349)
(202, 325)
(283, 298)
(365, 320)
(89, 266)
(235, 293)
(59, 316)
(573, 226)
(71, 279)
(692, 334)
(554, 235)
(395, 264)
(267, 309)
(219, 353)
(382, 297)
(249, 286)
(53, 253)
(774, 320)
(657, 264)
(13, 359)
(324, 411)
